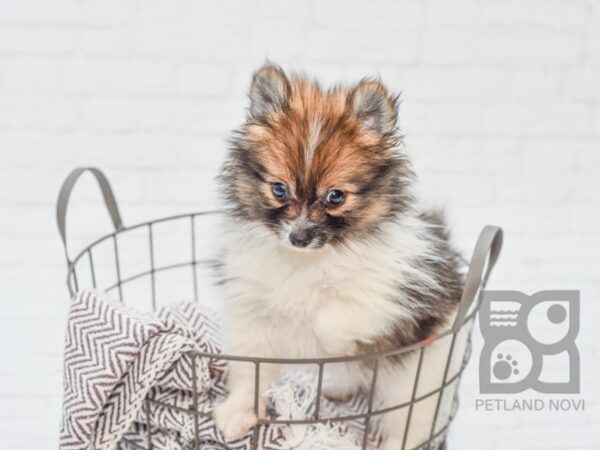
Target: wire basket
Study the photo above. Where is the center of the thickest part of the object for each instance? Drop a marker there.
(189, 264)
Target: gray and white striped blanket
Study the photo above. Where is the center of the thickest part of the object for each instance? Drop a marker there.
(128, 379)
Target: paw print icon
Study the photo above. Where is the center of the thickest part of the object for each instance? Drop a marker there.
(529, 342)
(505, 367)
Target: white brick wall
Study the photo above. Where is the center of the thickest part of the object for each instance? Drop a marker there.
(501, 113)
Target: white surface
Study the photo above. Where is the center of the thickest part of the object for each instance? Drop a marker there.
(501, 113)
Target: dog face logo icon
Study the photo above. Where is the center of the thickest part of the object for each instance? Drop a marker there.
(525, 336)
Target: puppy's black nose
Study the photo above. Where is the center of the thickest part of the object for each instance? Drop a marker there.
(301, 238)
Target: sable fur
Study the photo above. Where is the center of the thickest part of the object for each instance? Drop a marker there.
(378, 274)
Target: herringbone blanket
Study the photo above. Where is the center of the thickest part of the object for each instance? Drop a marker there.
(128, 384)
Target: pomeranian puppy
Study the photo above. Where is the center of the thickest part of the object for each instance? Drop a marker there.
(327, 252)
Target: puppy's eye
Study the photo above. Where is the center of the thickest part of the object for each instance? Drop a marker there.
(280, 191)
(335, 197)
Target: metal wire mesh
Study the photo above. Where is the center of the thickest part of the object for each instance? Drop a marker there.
(442, 395)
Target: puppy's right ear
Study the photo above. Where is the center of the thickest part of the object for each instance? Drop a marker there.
(269, 91)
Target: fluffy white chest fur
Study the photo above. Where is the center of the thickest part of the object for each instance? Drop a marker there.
(318, 303)
(285, 303)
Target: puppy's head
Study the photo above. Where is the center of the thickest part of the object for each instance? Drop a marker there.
(317, 167)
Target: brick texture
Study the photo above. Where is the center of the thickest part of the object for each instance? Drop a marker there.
(501, 112)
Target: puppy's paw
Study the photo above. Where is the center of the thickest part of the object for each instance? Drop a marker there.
(234, 418)
(337, 388)
(336, 392)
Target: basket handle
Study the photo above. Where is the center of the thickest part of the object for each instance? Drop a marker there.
(65, 194)
(489, 244)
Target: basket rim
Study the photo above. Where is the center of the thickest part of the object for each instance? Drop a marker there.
(125, 228)
(254, 359)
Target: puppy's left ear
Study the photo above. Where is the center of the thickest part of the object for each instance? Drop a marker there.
(374, 106)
